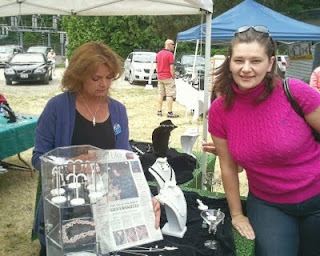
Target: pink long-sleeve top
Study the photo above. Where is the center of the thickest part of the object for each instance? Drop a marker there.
(273, 143)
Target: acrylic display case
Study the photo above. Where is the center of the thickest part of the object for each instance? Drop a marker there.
(73, 178)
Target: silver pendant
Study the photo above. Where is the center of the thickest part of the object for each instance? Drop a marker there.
(94, 121)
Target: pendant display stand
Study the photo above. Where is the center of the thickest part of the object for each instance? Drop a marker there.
(188, 138)
(70, 186)
(172, 197)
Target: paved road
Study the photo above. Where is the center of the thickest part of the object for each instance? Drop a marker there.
(30, 87)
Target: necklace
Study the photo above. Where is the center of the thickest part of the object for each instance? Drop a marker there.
(160, 175)
(93, 115)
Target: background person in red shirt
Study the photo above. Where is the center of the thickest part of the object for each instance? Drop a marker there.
(166, 83)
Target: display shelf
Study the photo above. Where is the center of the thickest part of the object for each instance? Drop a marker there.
(73, 233)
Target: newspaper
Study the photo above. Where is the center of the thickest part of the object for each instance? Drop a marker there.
(124, 217)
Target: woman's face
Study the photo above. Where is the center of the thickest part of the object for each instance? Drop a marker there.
(99, 83)
(249, 64)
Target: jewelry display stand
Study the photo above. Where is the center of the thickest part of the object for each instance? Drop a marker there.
(95, 201)
(70, 186)
(172, 197)
(188, 138)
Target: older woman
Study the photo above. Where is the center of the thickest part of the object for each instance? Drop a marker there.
(84, 113)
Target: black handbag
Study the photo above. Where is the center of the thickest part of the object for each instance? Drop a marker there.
(296, 106)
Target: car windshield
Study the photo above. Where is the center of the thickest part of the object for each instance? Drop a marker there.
(27, 58)
(6, 50)
(144, 58)
(189, 59)
(38, 49)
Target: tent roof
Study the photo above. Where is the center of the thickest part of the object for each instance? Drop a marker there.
(250, 12)
(104, 7)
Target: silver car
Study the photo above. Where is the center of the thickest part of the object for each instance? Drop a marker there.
(7, 51)
(138, 65)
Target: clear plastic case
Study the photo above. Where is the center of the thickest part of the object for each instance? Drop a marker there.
(73, 178)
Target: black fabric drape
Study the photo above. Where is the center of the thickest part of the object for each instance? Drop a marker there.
(192, 244)
(182, 164)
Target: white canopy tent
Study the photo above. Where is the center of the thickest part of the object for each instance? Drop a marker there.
(117, 8)
(104, 7)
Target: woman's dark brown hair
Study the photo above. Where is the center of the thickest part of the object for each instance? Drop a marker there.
(223, 74)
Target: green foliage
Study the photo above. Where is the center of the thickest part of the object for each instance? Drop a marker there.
(292, 8)
(124, 33)
(82, 29)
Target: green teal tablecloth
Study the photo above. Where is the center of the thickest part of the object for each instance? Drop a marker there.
(16, 137)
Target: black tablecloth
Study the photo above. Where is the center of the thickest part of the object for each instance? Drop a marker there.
(182, 164)
(193, 241)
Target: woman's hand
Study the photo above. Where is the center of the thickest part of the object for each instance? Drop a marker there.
(243, 226)
(157, 211)
(209, 147)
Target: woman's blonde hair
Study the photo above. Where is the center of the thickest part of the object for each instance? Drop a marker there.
(85, 61)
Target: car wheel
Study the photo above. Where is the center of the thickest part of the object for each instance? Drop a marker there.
(125, 77)
(177, 73)
(46, 80)
(8, 82)
(131, 81)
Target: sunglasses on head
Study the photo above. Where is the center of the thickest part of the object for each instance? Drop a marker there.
(259, 28)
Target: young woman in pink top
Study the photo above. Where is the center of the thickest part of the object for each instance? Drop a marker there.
(253, 125)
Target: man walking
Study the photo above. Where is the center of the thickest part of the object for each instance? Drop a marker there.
(166, 75)
(52, 57)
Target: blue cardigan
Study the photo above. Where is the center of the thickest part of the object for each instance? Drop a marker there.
(56, 124)
(55, 129)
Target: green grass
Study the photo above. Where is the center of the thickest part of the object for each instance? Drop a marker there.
(17, 197)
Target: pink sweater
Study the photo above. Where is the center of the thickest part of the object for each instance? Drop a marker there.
(272, 143)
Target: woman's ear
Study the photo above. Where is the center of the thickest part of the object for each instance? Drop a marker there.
(271, 62)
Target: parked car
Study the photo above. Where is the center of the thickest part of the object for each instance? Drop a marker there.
(282, 62)
(137, 67)
(7, 51)
(40, 48)
(184, 66)
(28, 67)
(184, 69)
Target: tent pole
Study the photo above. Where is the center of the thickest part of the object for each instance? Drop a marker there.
(206, 95)
(175, 49)
(195, 60)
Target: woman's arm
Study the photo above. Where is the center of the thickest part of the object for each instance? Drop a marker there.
(313, 119)
(45, 135)
(230, 179)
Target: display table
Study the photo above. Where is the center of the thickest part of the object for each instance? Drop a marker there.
(191, 98)
(16, 137)
(230, 242)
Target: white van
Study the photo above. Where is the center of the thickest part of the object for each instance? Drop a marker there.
(7, 51)
(282, 62)
(137, 67)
